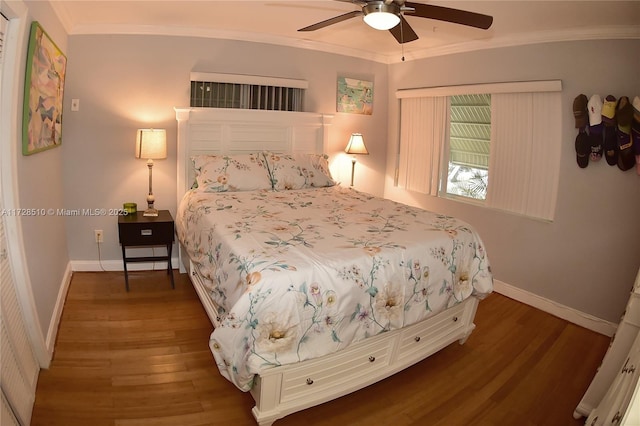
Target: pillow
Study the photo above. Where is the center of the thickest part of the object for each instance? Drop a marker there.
(320, 174)
(297, 171)
(238, 172)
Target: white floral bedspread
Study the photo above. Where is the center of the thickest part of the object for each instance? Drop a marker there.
(300, 274)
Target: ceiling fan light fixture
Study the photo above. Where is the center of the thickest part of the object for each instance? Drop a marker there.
(381, 16)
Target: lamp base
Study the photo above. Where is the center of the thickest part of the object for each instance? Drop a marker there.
(150, 212)
(353, 169)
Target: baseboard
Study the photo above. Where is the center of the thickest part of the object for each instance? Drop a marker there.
(116, 265)
(52, 333)
(566, 313)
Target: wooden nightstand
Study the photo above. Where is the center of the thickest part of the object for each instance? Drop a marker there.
(136, 230)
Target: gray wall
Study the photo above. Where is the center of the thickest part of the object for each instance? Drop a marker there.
(128, 82)
(40, 185)
(588, 257)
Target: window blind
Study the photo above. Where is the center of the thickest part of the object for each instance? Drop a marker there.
(524, 160)
(524, 155)
(422, 131)
(212, 90)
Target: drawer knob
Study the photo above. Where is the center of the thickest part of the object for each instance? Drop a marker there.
(417, 338)
(455, 319)
(372, 358)
(309, 381)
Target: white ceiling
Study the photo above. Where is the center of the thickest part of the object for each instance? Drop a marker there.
(277, 22)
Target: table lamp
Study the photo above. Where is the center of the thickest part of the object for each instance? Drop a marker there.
(355, 146)
(152, 145)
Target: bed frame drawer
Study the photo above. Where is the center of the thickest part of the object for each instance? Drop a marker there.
(419, 339)
(348, 364)
(283, 390)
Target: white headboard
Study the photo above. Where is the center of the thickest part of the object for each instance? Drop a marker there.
(229, 131)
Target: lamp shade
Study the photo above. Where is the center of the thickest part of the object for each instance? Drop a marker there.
(381, 16)
(356, 145)
(151, 144)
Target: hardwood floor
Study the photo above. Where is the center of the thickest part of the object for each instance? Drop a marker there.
(142, 358)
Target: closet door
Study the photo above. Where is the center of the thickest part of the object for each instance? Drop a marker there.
(19, 367)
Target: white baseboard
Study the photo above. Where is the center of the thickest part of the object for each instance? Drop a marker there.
(52, 333)
(566, 313)
(116, 265)
(86, 266)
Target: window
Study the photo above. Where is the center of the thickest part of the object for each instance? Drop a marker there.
(469, 142)
(496, 143)
(246, 92)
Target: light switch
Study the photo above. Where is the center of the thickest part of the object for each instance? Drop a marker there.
(75, 104)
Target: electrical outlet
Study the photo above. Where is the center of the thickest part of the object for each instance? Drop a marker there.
(99, 235)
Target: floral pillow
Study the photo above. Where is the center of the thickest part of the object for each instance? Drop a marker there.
(297, 171)
(238, 172)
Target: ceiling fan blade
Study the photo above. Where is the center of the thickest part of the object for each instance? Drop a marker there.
(358, 2)
(403, 32)
(447, 14)
(332, 21)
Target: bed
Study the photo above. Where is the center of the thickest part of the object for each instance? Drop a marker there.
(315, 290)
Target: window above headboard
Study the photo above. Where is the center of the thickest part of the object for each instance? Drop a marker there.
(213, 90)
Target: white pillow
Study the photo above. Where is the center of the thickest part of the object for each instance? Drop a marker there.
(298, 171)
(237, 172)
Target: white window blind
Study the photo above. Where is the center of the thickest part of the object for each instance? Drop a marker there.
(524, 160)
(524, 157)
(422, 131)
(213, 90)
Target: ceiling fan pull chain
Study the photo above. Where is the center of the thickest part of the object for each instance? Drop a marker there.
(402, 39)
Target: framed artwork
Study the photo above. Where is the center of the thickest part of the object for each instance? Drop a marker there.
(44, 87)
(355, 96)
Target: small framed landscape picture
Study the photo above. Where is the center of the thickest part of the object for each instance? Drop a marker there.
(355, 96)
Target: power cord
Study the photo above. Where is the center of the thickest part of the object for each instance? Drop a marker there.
(100, 257)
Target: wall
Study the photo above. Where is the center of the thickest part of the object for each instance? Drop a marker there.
(125, 82)
(40, 185)
(588, 257)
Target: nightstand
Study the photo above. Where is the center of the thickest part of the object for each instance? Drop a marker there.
(136, 230)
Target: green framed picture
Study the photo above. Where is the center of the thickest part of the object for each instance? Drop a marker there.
(354, 96)
(43, 92)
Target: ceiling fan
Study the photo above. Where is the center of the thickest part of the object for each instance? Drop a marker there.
(388, 15)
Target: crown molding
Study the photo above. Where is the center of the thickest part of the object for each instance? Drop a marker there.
(621, 32)
(581, 34)
(226, 35)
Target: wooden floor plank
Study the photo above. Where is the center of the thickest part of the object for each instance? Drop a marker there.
(142, 358)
